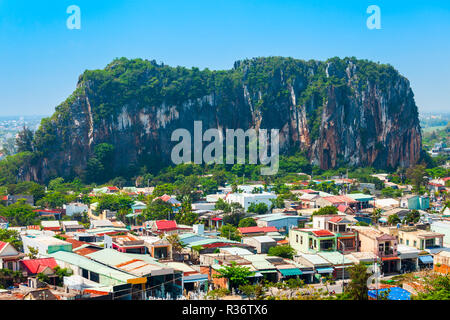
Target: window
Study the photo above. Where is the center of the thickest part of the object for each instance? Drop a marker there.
(95, 277)
(85, 273)
(407, 242)
(296, 238)
(415, 243)
(301, 240)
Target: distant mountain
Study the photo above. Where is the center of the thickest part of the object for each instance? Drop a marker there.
(340, 111)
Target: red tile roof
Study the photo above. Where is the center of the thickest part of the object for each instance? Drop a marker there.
(4, 198)
(35, 266)
(2, 245)
(85, 251)
(112, 188)
(166, 225)
(75, 243)
(257, 229)
(342, 207)
(309, 191)
(340, 199)
(336, 219)
(322, 233)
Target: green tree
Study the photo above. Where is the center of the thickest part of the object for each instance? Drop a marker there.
(13, 237)
(236, 275)
(158, 210)
(20, 214)
(247, 222)
(24, 141)
(393, 219)
(412, 216)
(258, 208)
(357, 288)
(33, 252)
(328, 210)
(230, 232)
(286, 252)
(417, 176)
(437, 287)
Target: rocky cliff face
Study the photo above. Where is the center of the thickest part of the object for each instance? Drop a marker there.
(342, 111)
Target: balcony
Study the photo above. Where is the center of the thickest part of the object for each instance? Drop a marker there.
(388, 253)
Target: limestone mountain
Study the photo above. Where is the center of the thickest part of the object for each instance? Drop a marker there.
(338, 112)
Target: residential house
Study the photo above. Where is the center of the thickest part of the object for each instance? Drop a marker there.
(338, 224)
(363, 201)
(75, 208)
(409, 258)
(4, 224)
(32, 267)
(156, 279)
(282, 222)
(9, 257)
(122, 285)
(11, 199)
(262, 244)
(138, 207)
(415, 202)
(52, 225)
(125, 243)
(336, 201)
(381, 244)
(255, 231)
(341, 264)
(101, 224)
(442, 227)
(161, 226)
(312, 240)
(45, 244)
(246, 199)
(40, 294)
(49, 213)
(442, 262)
(321, 266)
(192, 279)
(158, 248)
(71, 226)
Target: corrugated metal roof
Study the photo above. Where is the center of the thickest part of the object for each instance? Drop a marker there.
(335, 257)
(88, 264)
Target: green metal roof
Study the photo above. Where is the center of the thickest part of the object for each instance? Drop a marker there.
(290, 272)
(360, 196)
(88, 264)
(335, 257)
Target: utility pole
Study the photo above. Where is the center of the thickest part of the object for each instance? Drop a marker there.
(343, 262)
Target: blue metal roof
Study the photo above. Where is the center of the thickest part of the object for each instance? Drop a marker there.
(426, 259)
(324, 270)
(195, 278)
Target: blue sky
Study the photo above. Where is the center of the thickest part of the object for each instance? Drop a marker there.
(40, 59)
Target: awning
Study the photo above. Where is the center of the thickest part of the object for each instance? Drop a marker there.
(268, 271)
(257, 275)
(130, 215)
(343, 267)
(325, 270)
(426, 259)
(195, 278)
(290, 272)
(307, 271)
(390, 258)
